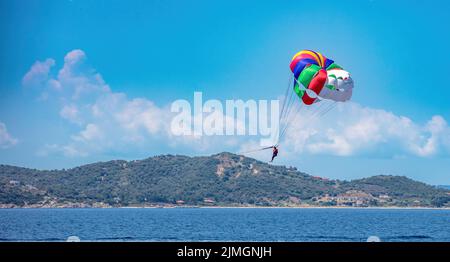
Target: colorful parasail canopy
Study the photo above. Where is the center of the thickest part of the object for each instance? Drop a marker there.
(317, 78)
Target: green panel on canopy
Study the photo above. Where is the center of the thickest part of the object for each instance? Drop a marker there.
(333, 66)
(307, 74)
(298, 91)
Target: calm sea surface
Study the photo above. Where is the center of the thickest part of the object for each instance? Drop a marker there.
(224, 224)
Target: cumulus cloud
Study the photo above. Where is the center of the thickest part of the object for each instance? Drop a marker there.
(353, 129)
(436, 134)
(68, 150)
(71, 113)
(107, 120)
(38, 73)
(78, 78)
(6, 140)
(90, 133)
(139, 114)
(75, 77)
(111, 121)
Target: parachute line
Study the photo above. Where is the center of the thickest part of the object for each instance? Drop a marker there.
(286, 108)
(255, 150)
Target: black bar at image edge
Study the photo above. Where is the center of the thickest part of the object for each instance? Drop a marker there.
(221, 250)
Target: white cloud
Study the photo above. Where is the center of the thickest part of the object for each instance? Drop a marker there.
(436, 132)
(111, 121)
(114, 120)
(6, 140)
(74, 78)
(72, 151)
(139, 114)
(353, 129)
(79, 78)
(90, 133)
(65, 150)
(38, 73)
(71, 113)
(72, 62)
(336, 144)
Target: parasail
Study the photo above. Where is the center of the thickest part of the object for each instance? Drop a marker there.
(317, 77)
(320, 84)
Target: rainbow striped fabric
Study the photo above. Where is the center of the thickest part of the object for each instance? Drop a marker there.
(310, 69)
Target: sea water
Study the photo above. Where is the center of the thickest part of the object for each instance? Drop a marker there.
(224, 224)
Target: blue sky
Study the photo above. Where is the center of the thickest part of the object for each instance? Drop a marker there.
(150, 53)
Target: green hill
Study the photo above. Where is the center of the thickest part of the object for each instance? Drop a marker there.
(222, 179)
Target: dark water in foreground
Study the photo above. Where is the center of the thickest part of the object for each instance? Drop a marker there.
(224, 224)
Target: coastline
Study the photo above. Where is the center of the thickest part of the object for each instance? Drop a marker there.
(332, 207)
(225, 207)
